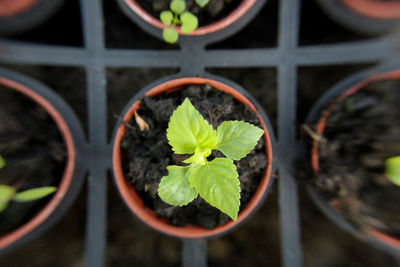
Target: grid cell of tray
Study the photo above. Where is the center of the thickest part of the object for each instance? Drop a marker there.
(260, 82)
(263, 231)
(130, 242)
(317, 28)
(55, 31)
(266, 22)
(124, 83)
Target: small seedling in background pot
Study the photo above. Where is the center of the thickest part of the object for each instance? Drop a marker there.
(392, 169)
(202, 3)
(177, 16)
(215, 181)
(9, 193)
(2, 162)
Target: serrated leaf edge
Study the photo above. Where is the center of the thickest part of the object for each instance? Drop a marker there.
(197, 145)
(219, 144)
(233, 168)
(176, 203)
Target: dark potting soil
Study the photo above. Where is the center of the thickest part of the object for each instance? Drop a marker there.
(361, 132)
(34, 151)
(146, 154)
(212, 12)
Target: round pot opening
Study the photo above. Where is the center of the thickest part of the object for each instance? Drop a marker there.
(132, 198)
(66, 180)
(243, 7)
(378, 9)
(385, 238)
(10, 8)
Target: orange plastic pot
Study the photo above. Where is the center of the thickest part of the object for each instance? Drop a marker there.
(383, 237)
(244, 6)
(375, 8)
(13, 7)
(65, 182)
(133, 200)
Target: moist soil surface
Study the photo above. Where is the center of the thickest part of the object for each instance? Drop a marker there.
(212, 12)
(146, 154)
(361, 132)
(34, 151)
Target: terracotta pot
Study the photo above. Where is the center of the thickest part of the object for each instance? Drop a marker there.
(20, 15)
(320, 126)
(133, 200)
(244, 6)
(369, 17)
(65, 182)
(13, 7)
(375, 8)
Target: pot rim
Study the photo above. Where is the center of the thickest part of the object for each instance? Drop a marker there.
(66, 180)
(132, 199)
(320, 126)
(374, 9)
(14, 7)
(238, 12)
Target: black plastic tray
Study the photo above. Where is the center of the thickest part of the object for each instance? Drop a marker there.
(94, 153)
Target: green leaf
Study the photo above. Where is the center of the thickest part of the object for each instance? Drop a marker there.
(2, 162)
(217, 183)
(175, 189)
(392, 169)
(178, 6)
(167, 17)
(33, 194)
(202, 3)
(200, 156)
(189, 22)
(188, 130)
(237, 138)
(6, 193)
(170, 35)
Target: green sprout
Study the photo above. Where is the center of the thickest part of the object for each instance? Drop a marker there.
(178, 16)
(2, 162)
(215, 181)
(202, 3)
(9, 193)
(392, 169)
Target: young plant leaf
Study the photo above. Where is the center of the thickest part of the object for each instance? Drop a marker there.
(392, 169)
(167, 17)
(174, 188)
(202, 3)
(217, 183)
(6, 193)
(237, 138)
(170, 35)
(2, 162)
(178, 6)
(189, 22)
(199, 157)
(187, 130)
(34, 193)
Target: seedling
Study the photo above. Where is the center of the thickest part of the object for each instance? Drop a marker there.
(9, 193)
(215, 181)
(178, 16)
(392, 169)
